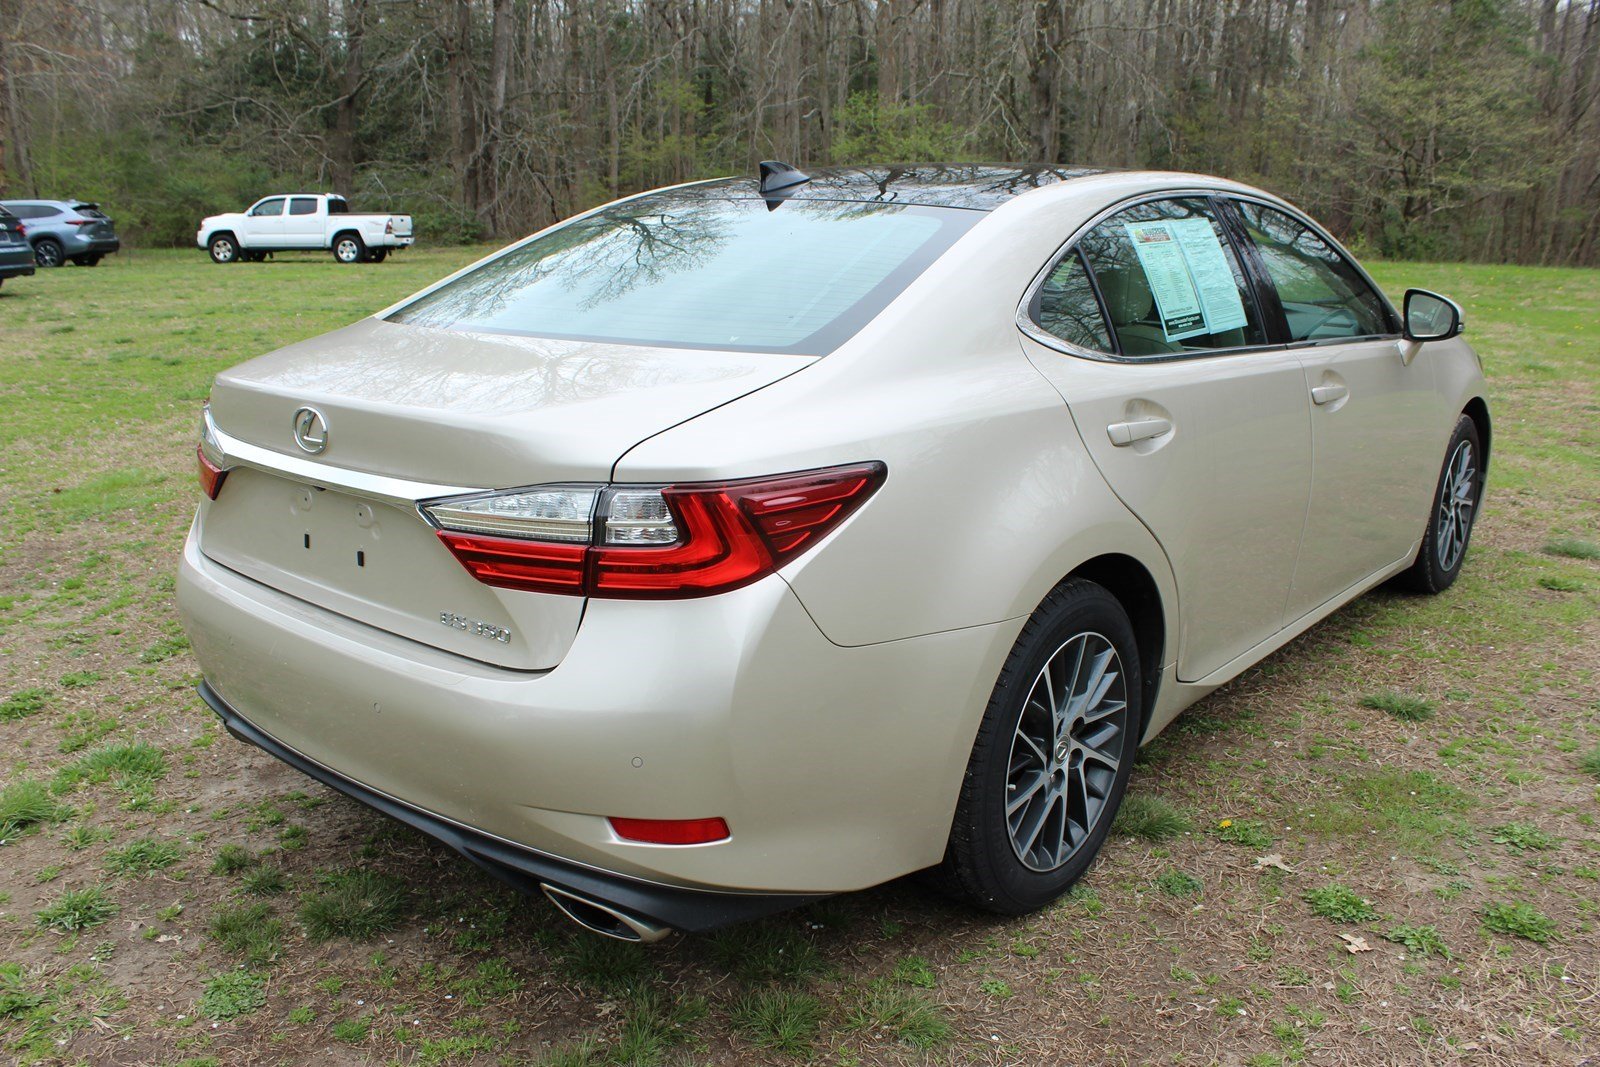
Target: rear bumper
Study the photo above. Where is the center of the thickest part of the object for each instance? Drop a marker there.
(836, 768)
(682, 909)
(16, 269)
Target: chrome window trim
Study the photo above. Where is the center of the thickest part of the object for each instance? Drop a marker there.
(1030, 328)
(379, 487)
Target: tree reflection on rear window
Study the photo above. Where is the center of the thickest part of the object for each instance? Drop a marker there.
(691, 272)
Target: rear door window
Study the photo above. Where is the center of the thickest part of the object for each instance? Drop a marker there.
(1066, 306)
(1324, 296)
(1170, 281)
(303, 205)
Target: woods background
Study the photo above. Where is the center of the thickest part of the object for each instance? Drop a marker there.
(1419, 128)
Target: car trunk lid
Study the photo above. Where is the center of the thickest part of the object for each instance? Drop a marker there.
(406, 412)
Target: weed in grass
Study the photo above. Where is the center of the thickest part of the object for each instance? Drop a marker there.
(608, 966)
(652, 1024)
(1340, 904)
(21, 704)
(1403, 706)
(767, 952)
(1419, 940)
(1150, 818)
(293, 838)
(782, 1020)
(79, 679)
(23, 806)
(1176, 883)
(143, 856)
(1558, 584)
(131, 767)
(1519, 920)
(165, 649)
(232, 994)
(304, 1015)
(40, 1013)
(231, 859)
(908, 1016)
(1590, 762)
(1524, 837)
(249, 930)
(353, 903)
(1573, 548)
(83, 835)
(78, 909)
(352, 1031)
(994, 987)
(1246, 832)
(586, 1053)
(915, 971)
(265, 881)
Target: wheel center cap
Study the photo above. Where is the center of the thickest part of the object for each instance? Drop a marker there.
(1062, 751)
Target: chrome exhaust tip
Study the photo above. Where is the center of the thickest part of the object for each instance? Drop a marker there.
(603, 919)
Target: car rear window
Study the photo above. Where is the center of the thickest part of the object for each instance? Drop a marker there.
(691, 272)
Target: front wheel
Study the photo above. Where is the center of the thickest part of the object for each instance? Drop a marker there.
(1052, 756)
(349, 249)
(223, 249)
(1455, 509)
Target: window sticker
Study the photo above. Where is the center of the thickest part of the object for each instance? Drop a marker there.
(1213, 277)
(1172, 285)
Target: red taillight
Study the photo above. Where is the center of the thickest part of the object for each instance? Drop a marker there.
(718, 536)
(671, 831)
(211, 475)
(80, 222)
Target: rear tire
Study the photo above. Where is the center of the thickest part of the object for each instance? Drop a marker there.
(47, 252)
(223, 248)
(1455, 510)
(348, 248)
(1052, 757)
(377, 255)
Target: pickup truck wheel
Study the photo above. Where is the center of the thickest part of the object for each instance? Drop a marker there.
(347, 248)
(223, 249)
(377, 255)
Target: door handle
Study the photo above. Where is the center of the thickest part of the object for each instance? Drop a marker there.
(1123, 434)
(1327, 394)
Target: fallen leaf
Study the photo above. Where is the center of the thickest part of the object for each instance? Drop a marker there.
(1274, 860)
(1354, 944)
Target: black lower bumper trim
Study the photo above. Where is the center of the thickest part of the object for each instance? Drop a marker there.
(692, 910)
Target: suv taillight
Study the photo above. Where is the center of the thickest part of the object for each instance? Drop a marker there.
(209, 454)
(648, 542)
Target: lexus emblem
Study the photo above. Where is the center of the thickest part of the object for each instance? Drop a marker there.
(310, 430)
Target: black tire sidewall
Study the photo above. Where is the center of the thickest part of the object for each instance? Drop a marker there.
(49, 242)
(990, 872)
(1426, 574)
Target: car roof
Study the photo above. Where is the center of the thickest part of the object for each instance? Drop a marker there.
(974, 186)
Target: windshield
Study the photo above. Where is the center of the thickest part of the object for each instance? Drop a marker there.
(681, 270)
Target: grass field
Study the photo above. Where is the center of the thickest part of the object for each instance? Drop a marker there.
(1426, 771)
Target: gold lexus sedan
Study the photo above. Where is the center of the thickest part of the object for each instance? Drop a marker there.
(763, 538)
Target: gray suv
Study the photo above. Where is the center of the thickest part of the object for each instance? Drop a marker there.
(62, 230)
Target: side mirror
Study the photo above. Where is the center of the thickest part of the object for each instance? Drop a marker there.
(1431, 317)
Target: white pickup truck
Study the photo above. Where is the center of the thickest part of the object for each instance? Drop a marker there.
(302, 222)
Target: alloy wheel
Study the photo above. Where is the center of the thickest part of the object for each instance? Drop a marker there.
(1457, 502)
(47, 253)
(1069, 743)
(222, 251)
(348, 251)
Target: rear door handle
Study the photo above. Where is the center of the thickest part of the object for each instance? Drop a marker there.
(1327, 394)
(1123, 434)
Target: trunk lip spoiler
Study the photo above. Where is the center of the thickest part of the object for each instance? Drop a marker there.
(381, 487)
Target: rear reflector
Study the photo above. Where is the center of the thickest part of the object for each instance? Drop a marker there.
(211, 475)
(671, 831)
(645, 543)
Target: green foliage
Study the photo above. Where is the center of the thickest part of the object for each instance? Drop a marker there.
(1247, 832)
(352, 1031)
(782, 1020)
(907, 1015)
(249, 930)
(353, 903)
(232, 994)
(1403, 706)
(265, 881)
(128, 766)
(1519, 920)
(78, 909)
(771, 951)
(915, 971)
(869, 130)
(231, 859)
(23, 703)
(1420, 940)
(1176, 883)
(24, 805)
(606, 965)
(1148, 817)
(1524, 837)
(1590, 762)
(143, 856)
(1573, 548)
(1340, 904)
